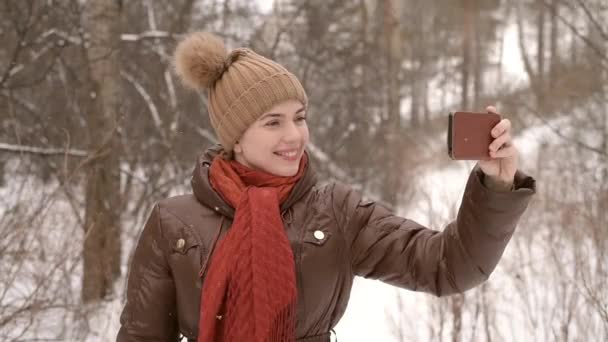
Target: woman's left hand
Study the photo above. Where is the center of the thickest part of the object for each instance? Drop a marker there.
(504, 155)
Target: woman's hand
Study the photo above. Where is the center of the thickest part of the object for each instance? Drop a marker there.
(503, 164)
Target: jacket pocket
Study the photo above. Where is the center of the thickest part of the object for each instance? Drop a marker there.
(184, 240)
(317, 236)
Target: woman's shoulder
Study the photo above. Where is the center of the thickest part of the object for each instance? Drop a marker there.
(344, 195)
(182, 203)
(178, 201)
(334, 192)
(177, 211)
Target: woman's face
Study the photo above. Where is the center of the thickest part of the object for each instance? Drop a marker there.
(275, 142)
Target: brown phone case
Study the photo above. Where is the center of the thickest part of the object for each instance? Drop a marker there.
(469, 136)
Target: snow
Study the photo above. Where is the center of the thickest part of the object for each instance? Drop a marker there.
(513, 66)
(265, 6)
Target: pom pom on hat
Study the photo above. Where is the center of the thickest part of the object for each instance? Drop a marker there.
(200, 59)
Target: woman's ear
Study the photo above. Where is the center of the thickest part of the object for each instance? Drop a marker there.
(237, 147)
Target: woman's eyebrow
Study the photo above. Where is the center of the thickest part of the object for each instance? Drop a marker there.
(279, 114)
(275, 115)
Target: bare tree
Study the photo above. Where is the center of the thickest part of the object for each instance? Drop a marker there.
(102, 216)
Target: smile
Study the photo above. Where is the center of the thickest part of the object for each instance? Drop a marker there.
(288, 155)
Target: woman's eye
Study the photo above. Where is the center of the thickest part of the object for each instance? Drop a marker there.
(301, 118)
(272, 123)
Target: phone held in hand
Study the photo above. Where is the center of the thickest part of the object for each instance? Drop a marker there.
(469, 135)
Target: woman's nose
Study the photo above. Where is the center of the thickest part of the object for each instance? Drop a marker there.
(292, 133)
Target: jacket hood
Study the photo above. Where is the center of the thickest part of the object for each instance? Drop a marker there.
(206, 195)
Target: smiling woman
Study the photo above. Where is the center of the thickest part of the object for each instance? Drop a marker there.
(275, 143)
(258, 252)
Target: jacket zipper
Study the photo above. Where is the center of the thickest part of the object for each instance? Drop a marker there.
(217, 236)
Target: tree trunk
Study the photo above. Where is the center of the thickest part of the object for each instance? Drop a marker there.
(486, 307)
(479, 58)
(540, 55)
(466, 53)
(425, 94)
(418, 51)
(457, 302)
(553, 63)
(101, 19)
(595, 53)
(574, 40)
(532, 77)
(225, 16)
(392, 126)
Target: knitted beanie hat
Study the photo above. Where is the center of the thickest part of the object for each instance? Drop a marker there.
(241, 85)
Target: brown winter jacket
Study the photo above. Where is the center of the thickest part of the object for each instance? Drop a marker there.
(335, 236)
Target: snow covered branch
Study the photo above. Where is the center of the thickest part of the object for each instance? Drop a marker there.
(125, 37)
(150, 34)
(149, 101)
(41, 150)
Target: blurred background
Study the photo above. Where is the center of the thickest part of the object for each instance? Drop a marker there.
(95, 128)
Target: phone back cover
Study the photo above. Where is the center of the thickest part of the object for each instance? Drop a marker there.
(471, 135)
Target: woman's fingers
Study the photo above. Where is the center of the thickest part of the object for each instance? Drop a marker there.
(504, 139)
(505, 152)
(503, 126)
(491, 109)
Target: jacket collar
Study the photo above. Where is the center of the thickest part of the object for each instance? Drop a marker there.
(206, 195)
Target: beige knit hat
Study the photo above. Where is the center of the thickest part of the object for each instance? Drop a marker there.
(241, 85)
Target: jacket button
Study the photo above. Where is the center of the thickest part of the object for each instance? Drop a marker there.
(216, 208)
(180, 244)
(319, 235)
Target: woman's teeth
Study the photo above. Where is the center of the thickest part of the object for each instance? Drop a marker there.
(288, 154)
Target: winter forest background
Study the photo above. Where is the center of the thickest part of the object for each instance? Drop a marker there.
(95, 127)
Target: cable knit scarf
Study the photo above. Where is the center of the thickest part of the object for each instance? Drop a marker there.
(250, 293)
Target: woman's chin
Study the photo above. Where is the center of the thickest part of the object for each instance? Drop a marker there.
(283, 170)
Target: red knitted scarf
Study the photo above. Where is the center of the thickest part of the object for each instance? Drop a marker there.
(250, 293)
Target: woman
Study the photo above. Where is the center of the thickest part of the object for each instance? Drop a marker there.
(259, 253)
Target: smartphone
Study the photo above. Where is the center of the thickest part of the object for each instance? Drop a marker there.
(469, 136)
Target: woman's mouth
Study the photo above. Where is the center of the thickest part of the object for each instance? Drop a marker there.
(289, 155)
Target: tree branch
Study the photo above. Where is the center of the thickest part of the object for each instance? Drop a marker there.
(150, 102)
(582, 37)
(562, 135)
(593, 19)
(41, 150)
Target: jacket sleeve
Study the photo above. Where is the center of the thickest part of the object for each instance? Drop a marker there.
(406, 254)
(150, 311)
